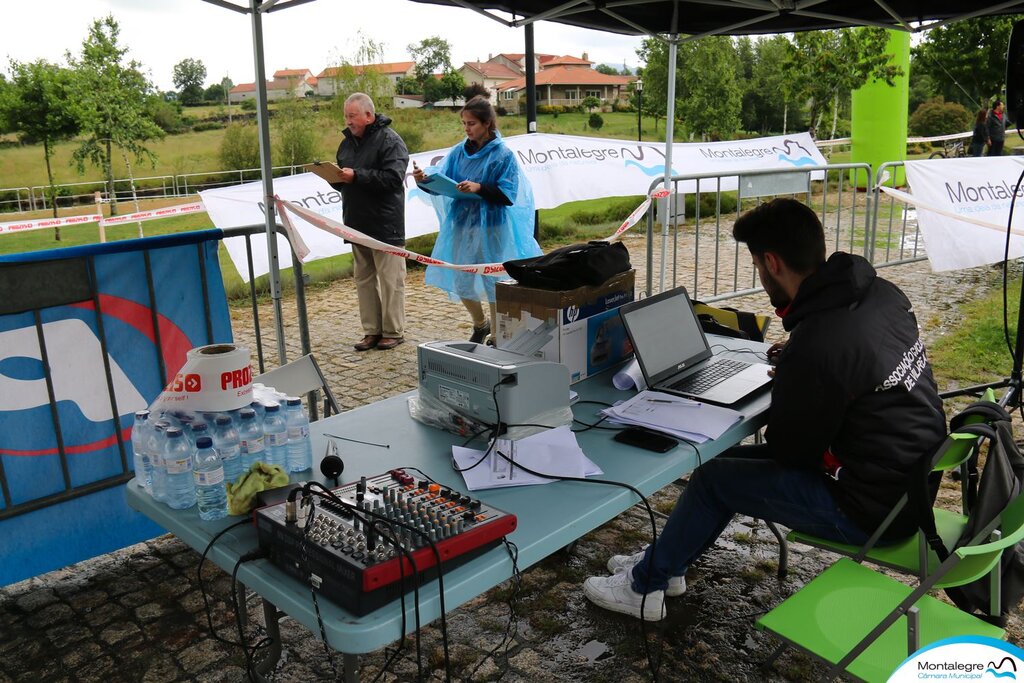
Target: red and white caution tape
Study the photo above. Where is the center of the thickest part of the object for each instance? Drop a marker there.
(343, 231)
(43, 223)
(166, 212)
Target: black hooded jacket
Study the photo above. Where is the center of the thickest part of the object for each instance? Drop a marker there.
(374, 203)
(854, 394)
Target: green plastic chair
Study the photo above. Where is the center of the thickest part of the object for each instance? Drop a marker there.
(913, 555)
(866, 624)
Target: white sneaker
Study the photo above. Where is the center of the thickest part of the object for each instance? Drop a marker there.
(615, 593)
(625, 563)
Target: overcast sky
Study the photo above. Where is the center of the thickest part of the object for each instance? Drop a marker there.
(161, 33)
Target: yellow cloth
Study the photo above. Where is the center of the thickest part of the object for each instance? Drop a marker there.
(260, 477)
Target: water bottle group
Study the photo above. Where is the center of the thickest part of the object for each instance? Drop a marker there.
(185, 458)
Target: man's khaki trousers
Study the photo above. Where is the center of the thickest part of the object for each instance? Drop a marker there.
(380, 286)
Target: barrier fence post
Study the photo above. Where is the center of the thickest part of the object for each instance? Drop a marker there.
(99, 210)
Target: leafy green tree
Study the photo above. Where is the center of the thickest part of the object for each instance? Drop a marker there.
(167, 115)
(773, 88)
(240, 146)
(215, 93)
(37, 104)
(606, 69)
(595, 121)
(408, 86)
(357, 75)
(710, 96)
(189, 76)
(590, 103)
(654, 54)
(826, 66)
(449, 86)
(965, 60)
(432, 55)
(293, 133)
(112, 96)
(938, 117)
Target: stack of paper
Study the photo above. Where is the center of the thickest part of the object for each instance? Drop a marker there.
(554, 452)
(674, 415)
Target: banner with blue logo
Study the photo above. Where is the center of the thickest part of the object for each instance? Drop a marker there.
(88, 336)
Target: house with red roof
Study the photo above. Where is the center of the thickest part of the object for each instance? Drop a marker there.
(567, 84)
(490, 75)
(327, 80)
(287, 84)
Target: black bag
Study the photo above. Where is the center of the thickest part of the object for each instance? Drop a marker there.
(576, 265)
(1001, 481)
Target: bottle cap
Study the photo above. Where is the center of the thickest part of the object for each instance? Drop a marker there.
(204, 442)
(247, 413)
(142, 414)
(294, 400)
(272, 407)
(173, 432)
(223, 419)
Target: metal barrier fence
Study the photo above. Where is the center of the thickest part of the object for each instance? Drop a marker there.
(844, 196)
(75, 273)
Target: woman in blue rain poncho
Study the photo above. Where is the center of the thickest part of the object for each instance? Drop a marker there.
(492, 224)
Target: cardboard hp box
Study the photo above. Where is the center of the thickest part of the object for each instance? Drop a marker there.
(579, 328)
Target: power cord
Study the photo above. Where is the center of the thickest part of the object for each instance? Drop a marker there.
(512, 625)
(248, 557)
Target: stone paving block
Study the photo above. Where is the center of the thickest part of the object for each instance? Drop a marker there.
(48, 616)
(36, 600)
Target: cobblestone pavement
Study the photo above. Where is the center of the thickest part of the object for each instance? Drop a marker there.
(137, 614)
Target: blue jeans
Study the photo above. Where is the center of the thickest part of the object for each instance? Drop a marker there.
(743, 480)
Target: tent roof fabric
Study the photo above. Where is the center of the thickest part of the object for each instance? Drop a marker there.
(734, 17)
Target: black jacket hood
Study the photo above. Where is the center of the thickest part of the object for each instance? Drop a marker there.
(842, 280)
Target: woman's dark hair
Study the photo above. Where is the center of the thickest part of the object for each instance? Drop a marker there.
(785, 227)
(980, 118)
(480, 107)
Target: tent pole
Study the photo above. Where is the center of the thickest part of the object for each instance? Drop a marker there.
(267, 171)
(531, 105)
(670, 118)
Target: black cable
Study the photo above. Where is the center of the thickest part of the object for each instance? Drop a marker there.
(512, 625)
(202, 584)
(760, 355)
(495, 431)
(437, 558)
(1006, 268)
(255, 555)
(303, 549)
(327, 493)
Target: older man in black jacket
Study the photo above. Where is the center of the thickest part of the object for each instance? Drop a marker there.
(854, 409)
(373, 161)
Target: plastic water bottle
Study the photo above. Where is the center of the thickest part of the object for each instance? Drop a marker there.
(275, 433)
(250, 435)
(225, 440)
(143, 469)
(156, 446)
(300, 449)
(180, 485)
(260, 410)
(208, 474)
(195, 430)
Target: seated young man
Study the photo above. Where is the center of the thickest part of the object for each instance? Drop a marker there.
(854, 407)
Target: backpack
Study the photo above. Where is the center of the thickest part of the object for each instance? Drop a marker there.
(1000, 482)
(730, 322)
(573, 266)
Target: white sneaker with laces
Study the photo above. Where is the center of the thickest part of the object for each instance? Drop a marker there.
(625, 563)
(616, 593)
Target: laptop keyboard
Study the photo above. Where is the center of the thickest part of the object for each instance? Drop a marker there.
(710, 375)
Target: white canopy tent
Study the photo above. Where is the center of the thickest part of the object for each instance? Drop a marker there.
(673, 21)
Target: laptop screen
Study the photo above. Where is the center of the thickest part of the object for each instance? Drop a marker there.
(665, 332)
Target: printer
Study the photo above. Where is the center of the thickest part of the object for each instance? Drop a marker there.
(470, 378)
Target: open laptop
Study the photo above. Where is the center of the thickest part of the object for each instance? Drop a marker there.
(674, 355)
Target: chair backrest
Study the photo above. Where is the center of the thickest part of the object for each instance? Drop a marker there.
(301, 376)
(979, 558)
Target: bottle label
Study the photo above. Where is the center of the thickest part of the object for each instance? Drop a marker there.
(209, 477)
(298, 433)
(179, 466)
(253, 445)
(277, 439)
(229, 452)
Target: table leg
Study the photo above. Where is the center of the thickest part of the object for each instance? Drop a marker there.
(351, 664)
(273, 651)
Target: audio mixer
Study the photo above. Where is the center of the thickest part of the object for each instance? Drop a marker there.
(349, 554)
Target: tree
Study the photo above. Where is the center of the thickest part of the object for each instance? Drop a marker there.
(772, 87)
(189, 76)
(826, 66)
(293, 132)
(408, 86)
(432, 55)
(240, 146)
(966, 60)
(607, 70)
(938, 117)
(595, 121)
(711, 98)
(215, 93)
(358, 74)
(112, 96)
(449, 86)
(590, 103)
(38, 105)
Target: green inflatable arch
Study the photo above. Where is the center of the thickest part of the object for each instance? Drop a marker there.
(879, 114)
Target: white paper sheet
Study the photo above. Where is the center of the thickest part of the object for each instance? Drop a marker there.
(674, 415)
(554, 452)
(629, 377)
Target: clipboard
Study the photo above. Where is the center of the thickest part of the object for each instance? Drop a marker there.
(328, 170)
(439, 183)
